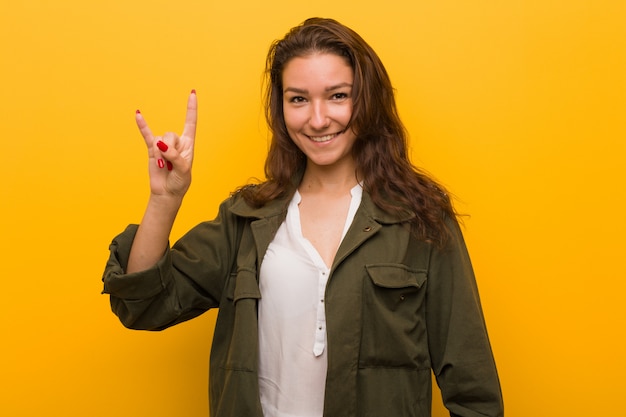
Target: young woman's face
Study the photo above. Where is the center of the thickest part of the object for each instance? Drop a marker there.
(317, 106)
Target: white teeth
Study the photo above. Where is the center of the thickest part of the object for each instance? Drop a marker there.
(322, 138)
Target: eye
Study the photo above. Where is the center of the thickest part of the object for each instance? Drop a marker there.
(297, 99)
(339, 96)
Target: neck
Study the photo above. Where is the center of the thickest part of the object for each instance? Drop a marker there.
(318, 179)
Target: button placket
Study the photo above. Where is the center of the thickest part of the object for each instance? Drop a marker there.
(320, 332)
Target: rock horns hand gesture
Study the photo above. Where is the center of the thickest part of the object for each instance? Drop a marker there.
(170, 155)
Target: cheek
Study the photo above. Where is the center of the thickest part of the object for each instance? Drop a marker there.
(292, 120)
(343, 114)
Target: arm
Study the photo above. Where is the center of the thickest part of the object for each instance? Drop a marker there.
(170, 160)
(144, 278)
(461, 354)
(185, 282)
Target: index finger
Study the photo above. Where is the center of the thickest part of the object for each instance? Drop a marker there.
(191, 118)
(144, 129)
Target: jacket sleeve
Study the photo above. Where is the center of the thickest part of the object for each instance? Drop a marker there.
(460, 351)
(187, 281)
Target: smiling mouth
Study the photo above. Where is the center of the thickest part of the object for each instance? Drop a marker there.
(325, 138)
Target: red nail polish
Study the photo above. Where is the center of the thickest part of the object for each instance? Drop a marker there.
(169, 166)
(162, 146)
(193, 91)
(160, 163)
(137, 111)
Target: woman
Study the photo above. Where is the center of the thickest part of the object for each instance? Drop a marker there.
(342, 280)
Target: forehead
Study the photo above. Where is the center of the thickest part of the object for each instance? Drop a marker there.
(316, 69)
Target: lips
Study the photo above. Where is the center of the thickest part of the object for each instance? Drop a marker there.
(325, 138)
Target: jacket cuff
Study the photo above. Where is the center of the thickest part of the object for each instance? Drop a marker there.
(138, 285)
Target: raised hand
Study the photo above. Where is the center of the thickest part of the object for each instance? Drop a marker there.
(170, 155)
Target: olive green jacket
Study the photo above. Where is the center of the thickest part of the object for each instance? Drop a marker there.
(396, 308)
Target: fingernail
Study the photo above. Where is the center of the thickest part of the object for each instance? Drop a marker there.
(169, 166)
(137, 111)
(162, 146)
(160, 163)
(193, 91)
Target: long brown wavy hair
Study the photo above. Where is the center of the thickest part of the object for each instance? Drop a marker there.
(380, 150)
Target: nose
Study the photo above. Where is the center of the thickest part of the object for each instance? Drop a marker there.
(319, 118)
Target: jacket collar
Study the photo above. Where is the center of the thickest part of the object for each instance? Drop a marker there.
(274, 208)
(379, 215)
(279, 206)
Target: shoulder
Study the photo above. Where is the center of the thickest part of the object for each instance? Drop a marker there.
(241, 206)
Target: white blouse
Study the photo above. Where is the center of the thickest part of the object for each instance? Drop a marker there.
(292, 319)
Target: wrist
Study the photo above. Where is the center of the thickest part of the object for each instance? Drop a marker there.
(165, 201)
(164, 206)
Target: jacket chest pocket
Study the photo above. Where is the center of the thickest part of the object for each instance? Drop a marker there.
(394, 331)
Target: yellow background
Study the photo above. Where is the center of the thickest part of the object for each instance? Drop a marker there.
(517, 106)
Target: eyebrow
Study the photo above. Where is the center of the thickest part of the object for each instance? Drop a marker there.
(327, 89)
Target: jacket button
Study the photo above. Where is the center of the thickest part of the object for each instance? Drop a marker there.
(367, 229)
